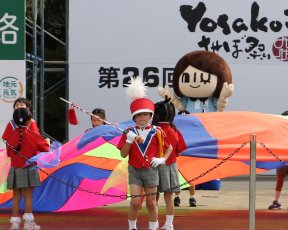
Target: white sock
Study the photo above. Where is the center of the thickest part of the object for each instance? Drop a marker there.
(15, 219)
(169, 220)
(192, 196)
(153, 225)
(28, 217)
(132, 224)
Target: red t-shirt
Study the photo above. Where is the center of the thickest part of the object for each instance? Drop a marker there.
(31, 144)
(11, 126)
(140, 155)
(176, 140)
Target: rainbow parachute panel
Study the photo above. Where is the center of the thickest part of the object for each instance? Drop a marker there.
(91, 172)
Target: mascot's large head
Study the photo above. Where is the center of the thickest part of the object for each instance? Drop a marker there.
(200, 74)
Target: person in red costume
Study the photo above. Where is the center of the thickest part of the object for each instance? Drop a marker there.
(21, 145)
(147, 148)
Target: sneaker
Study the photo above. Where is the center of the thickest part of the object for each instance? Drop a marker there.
(192, 202)
(15, 223)
(167, 227)
(31, 225)
(177, 201)
(275, 205)
(15, 226)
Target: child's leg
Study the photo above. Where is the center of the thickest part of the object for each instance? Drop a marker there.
(15, 220)
(157, 197)
(168, 197)
(192, 190)
(151, 207)
(28, 199)
(16, 201)
(192, 200)
(135, 205)
(278, 188)
(28, 215)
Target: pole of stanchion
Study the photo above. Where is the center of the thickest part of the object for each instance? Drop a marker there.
(252, 182)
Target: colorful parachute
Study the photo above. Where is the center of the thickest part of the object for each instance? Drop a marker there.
(92, 173)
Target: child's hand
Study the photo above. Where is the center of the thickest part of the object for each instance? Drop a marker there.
(130, 137)
(47, 140)
(157, 161)
(139, 139)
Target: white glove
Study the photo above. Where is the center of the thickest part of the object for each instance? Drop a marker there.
(130, 137)
(157, 161)
(166, 91)
(226, 92)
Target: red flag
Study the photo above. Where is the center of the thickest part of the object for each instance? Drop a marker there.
(72, 118)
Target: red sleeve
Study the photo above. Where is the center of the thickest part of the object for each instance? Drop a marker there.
(12, 139)
(34, 127)
(8, 131)
(43, 146)
(166, 141)
(181, 146)
(122, 141)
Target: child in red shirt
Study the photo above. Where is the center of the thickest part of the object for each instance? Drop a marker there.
(21, 145)
(144, 149)
(168, 173)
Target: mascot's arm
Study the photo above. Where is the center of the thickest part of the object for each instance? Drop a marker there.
(167, 91)
(226, 92)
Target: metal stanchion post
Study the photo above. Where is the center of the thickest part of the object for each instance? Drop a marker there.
(252, 182)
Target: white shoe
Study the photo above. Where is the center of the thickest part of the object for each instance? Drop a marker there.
(15, 223)
(167, 227)
(31, 225)
(15, 226)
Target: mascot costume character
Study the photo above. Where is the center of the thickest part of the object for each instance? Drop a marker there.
(202, 82)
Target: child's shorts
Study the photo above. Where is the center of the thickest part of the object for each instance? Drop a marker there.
(143, 177)
(168, 178)
(23, 178)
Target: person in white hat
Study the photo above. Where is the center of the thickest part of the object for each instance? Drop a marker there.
(147, 148)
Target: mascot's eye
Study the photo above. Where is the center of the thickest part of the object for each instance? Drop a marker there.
(185, 77)
(205, 80)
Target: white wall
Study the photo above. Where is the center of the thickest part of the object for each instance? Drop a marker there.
(141, 34)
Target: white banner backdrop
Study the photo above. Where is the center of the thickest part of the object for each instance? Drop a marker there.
(12, 86)
(112, 40)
